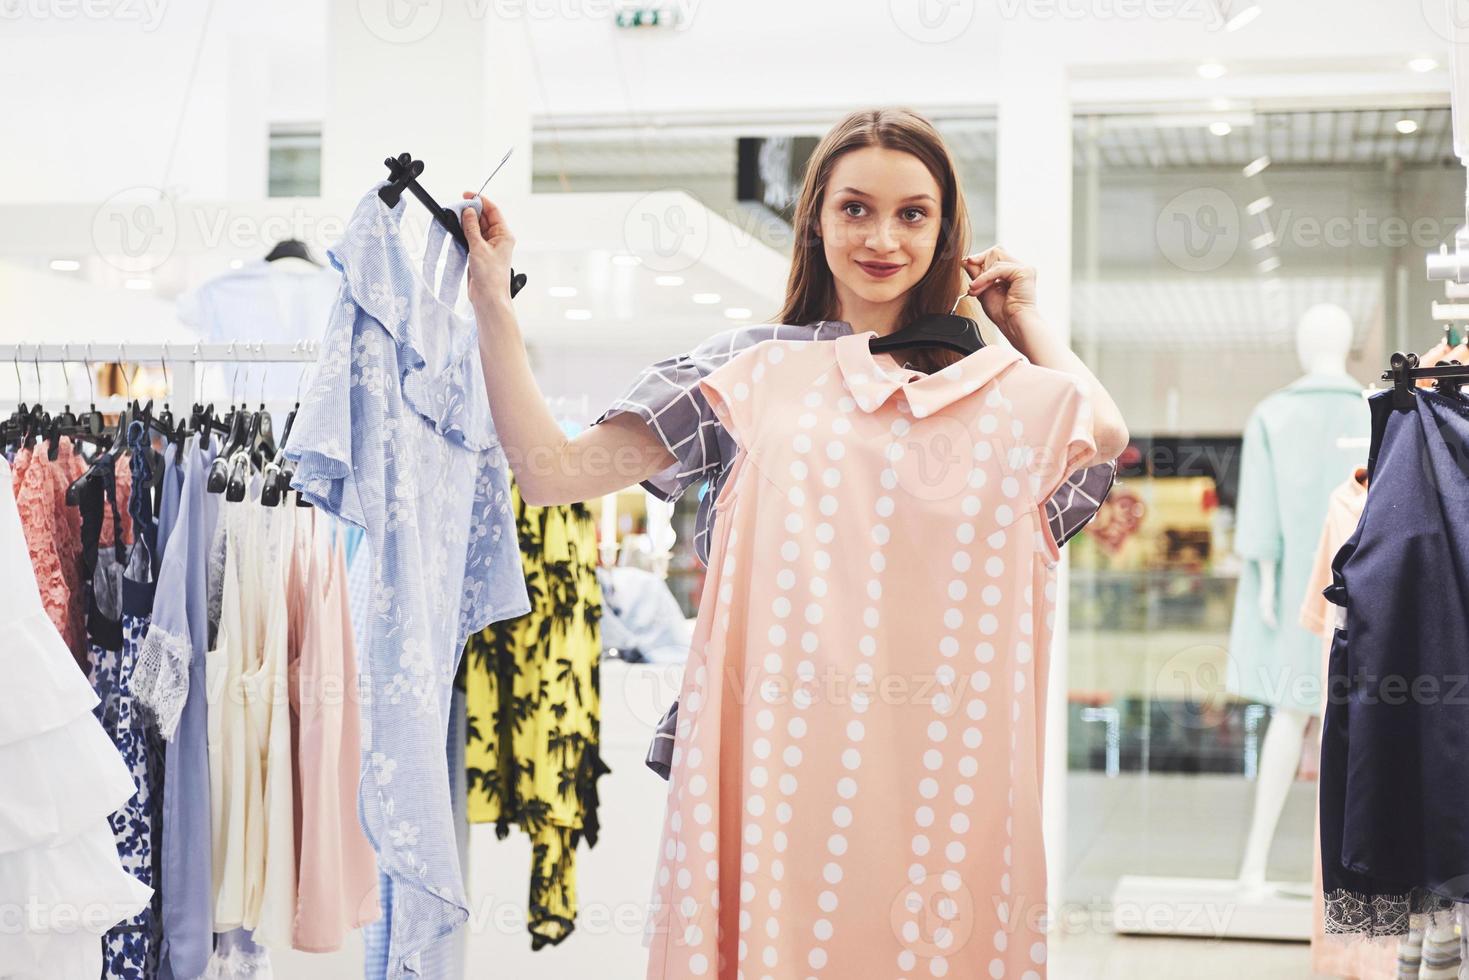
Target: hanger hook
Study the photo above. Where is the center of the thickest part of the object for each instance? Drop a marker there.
(122, 368)
(235, 377)
(91, 382)
(65, 374)
(163, 362)
(36, 360)
(20, 387)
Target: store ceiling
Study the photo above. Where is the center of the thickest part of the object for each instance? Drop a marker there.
(1219, 312)
(1362, 137)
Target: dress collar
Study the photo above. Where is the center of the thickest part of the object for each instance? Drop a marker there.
(871, 383)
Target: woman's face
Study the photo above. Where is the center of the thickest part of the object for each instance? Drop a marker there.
(879, 224)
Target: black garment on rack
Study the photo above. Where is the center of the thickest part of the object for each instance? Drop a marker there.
(104, 626)
(1395, 738)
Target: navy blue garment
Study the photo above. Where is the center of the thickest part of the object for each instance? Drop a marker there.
(1395, 735)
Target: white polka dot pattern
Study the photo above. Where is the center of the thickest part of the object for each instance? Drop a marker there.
(862, 709)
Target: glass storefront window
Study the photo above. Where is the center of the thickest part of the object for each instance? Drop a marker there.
(1197, 250)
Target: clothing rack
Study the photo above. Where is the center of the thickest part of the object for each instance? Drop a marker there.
(179, 359)
(1404, 371)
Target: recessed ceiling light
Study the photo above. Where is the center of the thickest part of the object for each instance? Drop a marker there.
(1269, 265)
(1258, 205)
(1256, 166)
(562, 292)
(1242, 12)
(578, 314)
(626, 258)
(65, 265)
(707, 299)
(1210, 69)
(669, 280)
(737, 313)
(1406, 126)
(237, 263)
(1422, 64)
(138, 283)
(1264, 240)
(1220, 128)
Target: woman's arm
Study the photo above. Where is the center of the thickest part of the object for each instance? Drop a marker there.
(549, 467)
(1010, 305)
(1040, 345)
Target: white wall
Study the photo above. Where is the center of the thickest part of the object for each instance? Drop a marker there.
(91, 105)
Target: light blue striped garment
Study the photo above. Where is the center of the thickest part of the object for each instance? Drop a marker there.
(394, 435)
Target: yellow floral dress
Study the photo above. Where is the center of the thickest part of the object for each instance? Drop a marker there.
(534, 705)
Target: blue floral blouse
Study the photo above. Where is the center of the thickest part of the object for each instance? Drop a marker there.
(394, 435)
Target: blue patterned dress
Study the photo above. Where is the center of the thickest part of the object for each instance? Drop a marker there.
(394, 435)
(121, 600)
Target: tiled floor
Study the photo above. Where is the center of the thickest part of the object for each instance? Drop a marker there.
(1182, 825)
(1156, 825)
(1111, 957)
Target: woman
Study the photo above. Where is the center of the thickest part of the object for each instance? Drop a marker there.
(927, 692)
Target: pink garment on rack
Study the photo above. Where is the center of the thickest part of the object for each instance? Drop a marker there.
(53, 534)
(337, 880)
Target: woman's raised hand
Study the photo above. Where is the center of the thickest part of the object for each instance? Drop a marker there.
(490, 246)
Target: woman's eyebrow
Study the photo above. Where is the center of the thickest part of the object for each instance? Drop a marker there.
(910, 197)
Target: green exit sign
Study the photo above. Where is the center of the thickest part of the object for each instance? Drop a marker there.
(647, 17)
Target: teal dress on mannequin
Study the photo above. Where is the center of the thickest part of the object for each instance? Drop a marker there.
(1292, 459)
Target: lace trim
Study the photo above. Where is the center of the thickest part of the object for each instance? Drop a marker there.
(161, 677)
(215, 577)
(238, 964)
(1377, 916)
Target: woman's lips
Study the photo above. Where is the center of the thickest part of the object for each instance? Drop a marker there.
(879, 270)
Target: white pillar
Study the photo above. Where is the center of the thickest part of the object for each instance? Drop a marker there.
(446, 82)
(1033, 222)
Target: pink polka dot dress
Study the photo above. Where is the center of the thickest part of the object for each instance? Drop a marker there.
(856, 781)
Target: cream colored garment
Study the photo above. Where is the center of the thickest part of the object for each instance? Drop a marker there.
(249, 728)
(272, 850)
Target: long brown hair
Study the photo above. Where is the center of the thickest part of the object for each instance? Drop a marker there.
(811, 289)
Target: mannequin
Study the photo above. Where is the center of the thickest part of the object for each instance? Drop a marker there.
(1299, 442)
(1323, 337)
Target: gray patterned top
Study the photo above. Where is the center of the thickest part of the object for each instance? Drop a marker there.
(667, 396)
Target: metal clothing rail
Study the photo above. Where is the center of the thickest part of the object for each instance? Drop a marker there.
(188, 352)
(178, 359)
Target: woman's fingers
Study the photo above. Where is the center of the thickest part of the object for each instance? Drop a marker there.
(470, 222)
(486, 223)
(999, 271)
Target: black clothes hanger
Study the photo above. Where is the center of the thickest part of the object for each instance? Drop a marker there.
(239, 478)
(262, 438)
(947, 330)
(291, 248)
(277, 479)
(403, 173)
(1403, 371)
(219, 470)
(98, 469)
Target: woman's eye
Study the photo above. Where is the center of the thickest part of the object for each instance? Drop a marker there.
(847, 209)
(918, 214)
